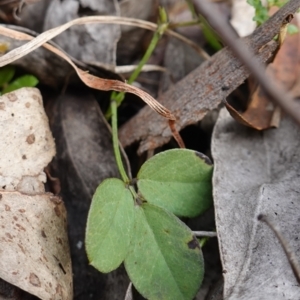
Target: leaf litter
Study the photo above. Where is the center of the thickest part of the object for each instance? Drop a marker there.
(256, 173)
(33, 222)
(239, 290)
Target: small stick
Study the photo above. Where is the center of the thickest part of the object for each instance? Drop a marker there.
(290, 254)
(205, 233)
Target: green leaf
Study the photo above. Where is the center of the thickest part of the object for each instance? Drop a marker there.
(210, 35)
(6, 74)
(23, 81)
(110, 225)
(178, 180)
(165, 261)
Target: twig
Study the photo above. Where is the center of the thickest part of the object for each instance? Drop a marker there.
(128, 295)
(205, 233)
(145, 68)
(290, 254)
(271, 88)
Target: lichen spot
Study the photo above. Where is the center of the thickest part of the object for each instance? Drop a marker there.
(12, 97)
(2, 106)
(24, 156)
(34, 280)
(27, 104)
(30, 139)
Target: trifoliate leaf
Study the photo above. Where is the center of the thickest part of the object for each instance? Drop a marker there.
(178, 180)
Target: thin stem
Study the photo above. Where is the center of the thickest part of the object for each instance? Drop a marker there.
(119, 97)
(133, 192)
(205, 233)
(114, 125)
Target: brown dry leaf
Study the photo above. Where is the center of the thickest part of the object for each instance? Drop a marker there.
(261, 113)
(34, 251)
(88, 79)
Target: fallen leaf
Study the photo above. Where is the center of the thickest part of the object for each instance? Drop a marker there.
(34, 250)
(180, 60)
(256, 173)
(33, 16)
(90, 43)
(132, 38)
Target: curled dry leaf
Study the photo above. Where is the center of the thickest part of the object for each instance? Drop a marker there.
(256, 173)
(54, 74)
(90, 80)
(34, 247)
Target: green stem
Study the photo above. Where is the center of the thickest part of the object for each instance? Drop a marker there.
(184, 24)
(114, 125)
(119, 97)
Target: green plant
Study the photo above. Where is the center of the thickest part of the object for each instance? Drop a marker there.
(262, 12)
(7, 73)
(210, 35)
(141, 229)
(135, 221)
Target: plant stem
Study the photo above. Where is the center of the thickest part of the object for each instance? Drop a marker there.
(114, 125)
(119, 97)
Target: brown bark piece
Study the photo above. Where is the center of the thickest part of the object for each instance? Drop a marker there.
(203, 89)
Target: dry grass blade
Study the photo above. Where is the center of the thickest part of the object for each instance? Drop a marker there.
(90, 80)
(51, 33)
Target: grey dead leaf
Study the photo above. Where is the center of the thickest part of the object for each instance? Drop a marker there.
(33, 16)
(256, 173)
(179, 60)
(34, 250)
(84, 159)
(132, 38)
(90, 43)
